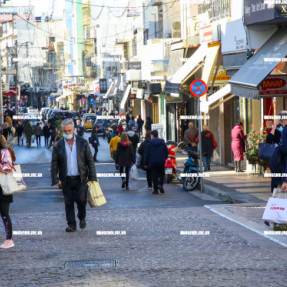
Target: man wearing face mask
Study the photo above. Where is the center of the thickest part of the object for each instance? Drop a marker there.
(72, 165)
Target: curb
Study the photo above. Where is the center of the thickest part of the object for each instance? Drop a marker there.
(225, 194)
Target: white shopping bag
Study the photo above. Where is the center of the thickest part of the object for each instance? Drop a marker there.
(215, 156)
(276, 210)
(134, 172)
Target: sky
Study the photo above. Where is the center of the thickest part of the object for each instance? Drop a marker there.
(42, 6)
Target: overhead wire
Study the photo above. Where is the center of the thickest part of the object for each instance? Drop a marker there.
(121, 7)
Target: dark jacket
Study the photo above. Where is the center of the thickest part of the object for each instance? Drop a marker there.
(85, 161)
(46, 131)
(80, 131)
(134, 138)
(274, 139)
(148, 125)
(142, 150)
(38, 131)
(208, 143)
(53, 131)
(283, 153)
(156, 153)
(125, 155)
(19, 130)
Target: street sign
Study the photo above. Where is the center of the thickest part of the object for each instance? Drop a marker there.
(92, 101)
(53, 98)
(198, 88)
(18, 103)
(48, 98)
(83, 99)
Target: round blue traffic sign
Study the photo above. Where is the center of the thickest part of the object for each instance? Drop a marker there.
(198, 88)
(92, 101)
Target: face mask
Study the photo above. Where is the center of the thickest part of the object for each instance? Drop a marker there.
(68, 137)
(280, 129)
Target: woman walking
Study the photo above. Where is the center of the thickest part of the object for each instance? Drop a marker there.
(95, 141)
(125, 158)
(5, 200)
(237, 145)
(140, 123)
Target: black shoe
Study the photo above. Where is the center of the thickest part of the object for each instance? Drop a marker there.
(123, 184)
(155, 192)
(127, 188)
(208, 168)
(71, 229)
(161, 189)
(83, 223)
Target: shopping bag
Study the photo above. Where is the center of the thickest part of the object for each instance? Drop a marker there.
(276, 210)
(134, 172)
(215, 156)
(17, 174)
(12, 182)
(96, 197)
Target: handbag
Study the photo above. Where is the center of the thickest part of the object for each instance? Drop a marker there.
(12, 182)
(91, 141)
(96, 197)
(266, 150)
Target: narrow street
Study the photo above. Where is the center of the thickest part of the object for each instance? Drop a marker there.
(150, 252)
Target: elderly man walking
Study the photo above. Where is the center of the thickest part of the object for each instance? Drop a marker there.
(72, 165)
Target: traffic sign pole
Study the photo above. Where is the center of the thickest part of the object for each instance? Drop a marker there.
(198, 88)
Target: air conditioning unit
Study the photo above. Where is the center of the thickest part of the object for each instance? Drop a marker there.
(176, 29)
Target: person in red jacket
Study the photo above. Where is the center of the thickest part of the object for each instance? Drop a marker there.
(208, 145)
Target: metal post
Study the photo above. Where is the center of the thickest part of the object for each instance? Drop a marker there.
(1, 95)
(199, 143)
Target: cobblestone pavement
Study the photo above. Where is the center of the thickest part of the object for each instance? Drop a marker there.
(153, 252)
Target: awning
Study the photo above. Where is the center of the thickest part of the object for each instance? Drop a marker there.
(204, 106)
(63, 96)
(125, 97)
(109, 90)
(210, 60)
(246, 81)
(190, 67)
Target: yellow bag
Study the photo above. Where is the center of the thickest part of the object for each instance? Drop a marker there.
(96, 197)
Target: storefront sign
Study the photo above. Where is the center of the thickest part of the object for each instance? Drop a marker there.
(134, 65)
(221, 77)
(205, 34)
(233, 37)
(274, 86)
(256, 11)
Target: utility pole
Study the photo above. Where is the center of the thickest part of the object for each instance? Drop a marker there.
(16, 75)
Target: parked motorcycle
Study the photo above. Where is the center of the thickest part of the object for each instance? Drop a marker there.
(171, 165)
(191, 166)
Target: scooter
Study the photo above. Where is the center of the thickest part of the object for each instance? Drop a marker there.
(171, 165)
(190, 167)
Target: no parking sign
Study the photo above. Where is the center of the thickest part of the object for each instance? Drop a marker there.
(198, 88)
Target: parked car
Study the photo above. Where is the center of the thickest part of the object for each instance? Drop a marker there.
(32, 110)
(63, 114)
(88, 121)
